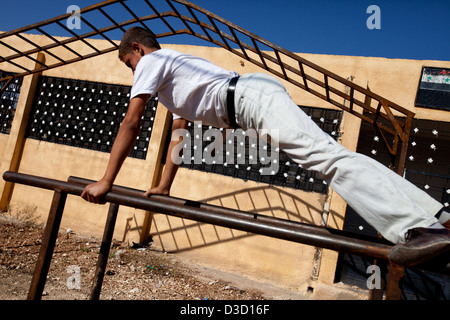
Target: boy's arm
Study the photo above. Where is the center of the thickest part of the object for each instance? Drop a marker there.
(170, 169)
(124, 142)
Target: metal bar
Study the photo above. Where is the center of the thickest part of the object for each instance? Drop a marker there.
(207, 207)
(38, 48)
(133, 14)
(58, 18)
(160, 17)
(111, 19)
(200, 24)
(240, 220)
(302, 72)
(77, 37)
(404, 148)
(97, 31)
(295, 57)
(20, 53)
(27, 71)
(104, 251)
(5, 86)
(180, 17)
(213, 17)
(235, 219)
(352, 101)
(395, 274)
(264, 56)
(217, 30)
(390, 150)
(212, 209)
(327, 88)
(301, 61)
(377, 112)
(281, 64)
(237, 41)
(263, 61)
(393, 120)
(48, 245)
(58, 42)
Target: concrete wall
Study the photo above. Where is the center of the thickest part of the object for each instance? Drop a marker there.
(279, 262)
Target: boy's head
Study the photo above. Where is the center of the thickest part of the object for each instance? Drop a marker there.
(137, 35)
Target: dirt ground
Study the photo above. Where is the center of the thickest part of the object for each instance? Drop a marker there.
(132, 273)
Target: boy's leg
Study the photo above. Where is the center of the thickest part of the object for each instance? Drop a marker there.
(391, 204)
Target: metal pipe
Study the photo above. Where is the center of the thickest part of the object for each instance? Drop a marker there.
(48, 245)
(232, 212)
(102, 260)
(257, 224)
(437, 265)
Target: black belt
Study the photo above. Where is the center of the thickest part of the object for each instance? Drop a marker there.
(230, 102)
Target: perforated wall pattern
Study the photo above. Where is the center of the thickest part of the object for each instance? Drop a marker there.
(85, 114)
(287, 172)
(8, 103)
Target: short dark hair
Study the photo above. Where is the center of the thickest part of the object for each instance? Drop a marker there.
(139, 35)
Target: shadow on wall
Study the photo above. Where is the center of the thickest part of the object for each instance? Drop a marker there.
(178, 235)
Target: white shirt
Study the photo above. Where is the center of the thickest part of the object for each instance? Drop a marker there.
(188, 86)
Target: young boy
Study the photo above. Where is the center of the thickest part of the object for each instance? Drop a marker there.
(196, 90)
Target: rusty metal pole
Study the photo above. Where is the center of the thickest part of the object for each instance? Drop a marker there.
(229, 218)
(395, 275)
(325, 236)
(104, 251)
(404, 145)
(48, 245)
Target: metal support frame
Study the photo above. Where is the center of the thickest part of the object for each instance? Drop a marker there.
(245, 221)
(182, 17)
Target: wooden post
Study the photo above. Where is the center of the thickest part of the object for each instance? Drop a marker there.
(16, 140)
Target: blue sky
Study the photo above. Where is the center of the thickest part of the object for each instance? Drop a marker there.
(409, 29)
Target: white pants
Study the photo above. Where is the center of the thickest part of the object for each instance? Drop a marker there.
(388, 202)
